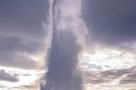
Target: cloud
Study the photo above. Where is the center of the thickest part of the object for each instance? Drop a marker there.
(13, 49)
(15, 52)
(4, 76)
(17, 61)
(23, 17)
(21, 32)
(129, 79)
(109, 75)
(112, 23)
(14, 43)
(22, 37)
(30, 87)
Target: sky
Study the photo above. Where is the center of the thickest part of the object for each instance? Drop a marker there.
(97, 36)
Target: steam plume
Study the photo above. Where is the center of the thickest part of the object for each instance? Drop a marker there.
(66, 26)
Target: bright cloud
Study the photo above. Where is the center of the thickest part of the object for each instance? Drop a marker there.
(108, 68)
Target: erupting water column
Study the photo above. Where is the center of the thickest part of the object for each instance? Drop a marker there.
(66, 23)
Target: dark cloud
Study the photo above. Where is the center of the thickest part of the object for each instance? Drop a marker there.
(12, 49)
(111, 22)
(13, 44)
(17, 60)
(4, 76)
(129, 79)
(31, 87)
(108, 75)
(21, 31)
(23, 17)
